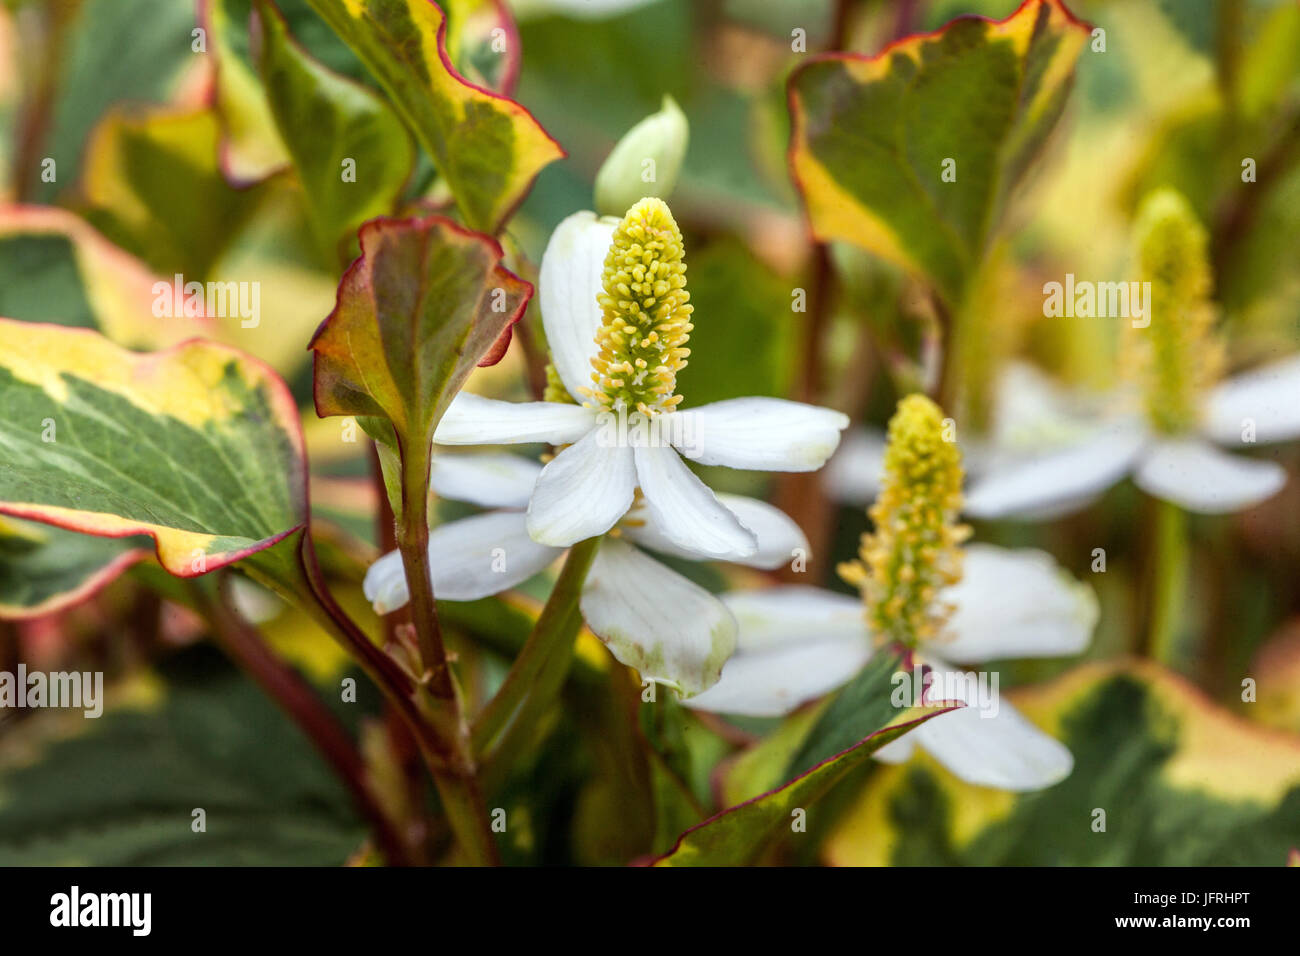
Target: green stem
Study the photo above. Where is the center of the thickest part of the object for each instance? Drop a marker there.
(539, 670)
(456, 776)
(1170, 569)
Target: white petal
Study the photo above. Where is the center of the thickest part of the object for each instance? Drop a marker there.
(568, 284)
(1016, 603)
(1268, 397)
(853, 474)
(777, 617)
(1195, 475)
(774, 682)
(777, 535)
(762, 434)
(654, 620)
(474, 420)
(1004, 750)
(1023, 486)
(685, 511)
(469, 559)
(582, 492)
(489, 481)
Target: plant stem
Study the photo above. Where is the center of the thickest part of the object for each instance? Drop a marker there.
(455, 774)
(283, 684)
(1170, 569)
(539, 669)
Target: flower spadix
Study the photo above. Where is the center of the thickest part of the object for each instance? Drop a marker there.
(646, 314)
(1165, 433)
(927, 591)
(1176, 358)
(617, 315)
(915, 550)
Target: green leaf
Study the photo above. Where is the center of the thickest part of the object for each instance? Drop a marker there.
(738, 835)
(92, 71)
(153, 187)
(483, 43)
(43, 570)
(425, 303)
(488, 148)
(120, 790)
(1181, 781)
(327, 121)
(871, 135)
(251, 148)
(56, 268)
(197, 446)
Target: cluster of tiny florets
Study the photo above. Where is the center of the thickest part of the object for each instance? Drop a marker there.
(915, 550)
(647, 315)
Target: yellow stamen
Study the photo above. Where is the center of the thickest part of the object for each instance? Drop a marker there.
(647, 315)
(555, 390)
(915, 550)
(1177, 358)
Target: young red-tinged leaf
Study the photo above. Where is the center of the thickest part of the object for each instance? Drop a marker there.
(197, 446)
(488, 148)
(912, 153)
(425, 303)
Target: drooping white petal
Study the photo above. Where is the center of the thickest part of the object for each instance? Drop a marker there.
(795, 644)
(1025, 485)
(761, 434)
(582, 492)
(1016, 603)
(669, 629)
(1264, 400)
(774, 682)
(568, 284)
(1002, 750)
(779, 538)
(853, 474)
(473, 420)
(468, 559)
(1195, 475)
(489, 481)
(685, 511)
(773, 618)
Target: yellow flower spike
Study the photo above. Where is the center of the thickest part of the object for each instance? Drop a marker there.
(647, 315)
(915, 550)
(555, 390)
(1177, 358)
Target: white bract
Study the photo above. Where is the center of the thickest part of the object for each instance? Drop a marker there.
(653, 619)
(924, 593)
(798, 643)
(612, 453)
(1051, 453)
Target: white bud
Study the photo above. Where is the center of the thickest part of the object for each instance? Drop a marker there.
(661, 140)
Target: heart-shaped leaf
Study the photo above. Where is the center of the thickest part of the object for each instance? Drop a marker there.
(197, 446)
(350, 149)
(913, 152)
(488, 148)
(425, 303)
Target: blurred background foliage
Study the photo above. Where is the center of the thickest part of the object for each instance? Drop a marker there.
(168, 160)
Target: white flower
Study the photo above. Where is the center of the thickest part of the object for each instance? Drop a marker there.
(669, 629)
(1048, 456)
(590, 485)
(799, 643)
